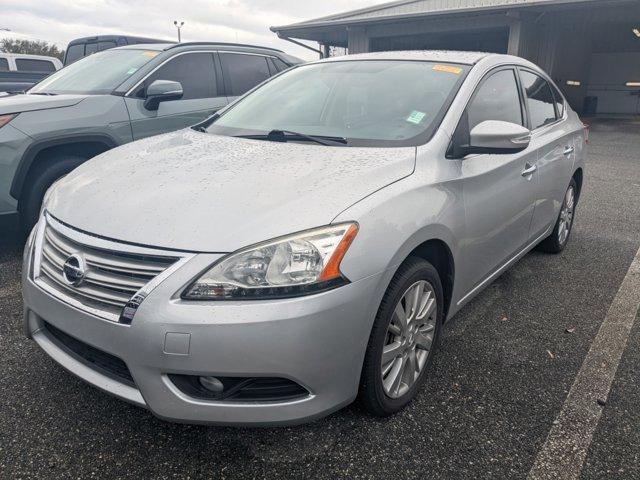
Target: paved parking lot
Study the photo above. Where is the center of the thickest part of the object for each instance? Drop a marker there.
(498, 383)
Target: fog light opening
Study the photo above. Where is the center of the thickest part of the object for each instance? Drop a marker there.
(212, 384)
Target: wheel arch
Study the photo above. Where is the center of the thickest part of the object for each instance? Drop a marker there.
(578, 177)
(86, 146)
(437, 253)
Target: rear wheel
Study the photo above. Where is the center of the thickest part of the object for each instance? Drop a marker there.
(559, 238)
(404, 336)
(37, 184)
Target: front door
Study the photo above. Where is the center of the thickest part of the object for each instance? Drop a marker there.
(499, 189)
(197, 75)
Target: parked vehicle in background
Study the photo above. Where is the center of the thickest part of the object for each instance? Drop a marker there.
(307, 244)
(85, 46)
(19, 72)
(114, 97)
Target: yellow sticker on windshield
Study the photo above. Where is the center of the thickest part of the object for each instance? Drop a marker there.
(150, 53)
(448, 69)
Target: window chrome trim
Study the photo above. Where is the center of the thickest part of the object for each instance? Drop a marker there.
(167, 60)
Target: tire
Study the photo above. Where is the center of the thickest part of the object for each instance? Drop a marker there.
(379, 396)
(557, 241)
(37, 184)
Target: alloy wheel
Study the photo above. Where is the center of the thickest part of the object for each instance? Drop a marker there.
(409, 339)
(566, 216)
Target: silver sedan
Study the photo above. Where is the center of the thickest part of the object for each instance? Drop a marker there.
(307, 244)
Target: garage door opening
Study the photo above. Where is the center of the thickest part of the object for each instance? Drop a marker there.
(494, 40)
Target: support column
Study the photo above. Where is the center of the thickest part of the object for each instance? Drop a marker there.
(515, 38)
(358, 40)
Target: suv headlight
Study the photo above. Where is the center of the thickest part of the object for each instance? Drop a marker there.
(4, 119)
(298, 264)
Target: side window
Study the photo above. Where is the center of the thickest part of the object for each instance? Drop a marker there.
(105, 45)
(559, 99)
(90, 48)
(243, 72)
(74, 52)
(194, 71)
(280, 65)
(496, 99)
(4, 65)
(540, 100)
(31, 65)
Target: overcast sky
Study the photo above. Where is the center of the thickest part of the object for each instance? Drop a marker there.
(244, 21)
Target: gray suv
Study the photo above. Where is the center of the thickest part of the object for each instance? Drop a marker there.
(111, 98)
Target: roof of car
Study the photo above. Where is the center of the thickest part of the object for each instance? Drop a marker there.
(169, 46)
(98, 38)
(447, 56)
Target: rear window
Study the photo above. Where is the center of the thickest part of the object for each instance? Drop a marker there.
(559, 100)
(4, 65)
(539, 99)
(280, 65)
(90, 48)
(31, 65)
(105, 45)
(74, 52)
(243, 72)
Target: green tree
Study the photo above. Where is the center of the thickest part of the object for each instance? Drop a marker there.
(31, 47)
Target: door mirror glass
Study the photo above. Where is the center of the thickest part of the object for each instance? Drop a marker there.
(495, 136)
(162, 91)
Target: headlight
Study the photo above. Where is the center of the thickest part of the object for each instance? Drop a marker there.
(299, 264)
(4, 119)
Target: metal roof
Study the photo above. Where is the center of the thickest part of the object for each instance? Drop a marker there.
(415, 8)
(444, 56)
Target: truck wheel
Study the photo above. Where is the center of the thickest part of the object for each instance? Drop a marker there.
(37, 184)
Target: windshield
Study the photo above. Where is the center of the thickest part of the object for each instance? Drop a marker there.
(96, 74)
(368, 102)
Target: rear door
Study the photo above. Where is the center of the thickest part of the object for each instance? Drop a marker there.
(499, 189)
(552, 140)
(203, 95)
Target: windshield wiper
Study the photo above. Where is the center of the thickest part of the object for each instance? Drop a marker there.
(48, 94)
(278, 135)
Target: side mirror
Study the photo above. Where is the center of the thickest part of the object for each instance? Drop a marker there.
(494, 136)
(162, 91)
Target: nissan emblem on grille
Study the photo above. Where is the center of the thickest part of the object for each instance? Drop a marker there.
(74, 270)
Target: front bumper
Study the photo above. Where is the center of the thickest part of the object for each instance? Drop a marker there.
(318, 341)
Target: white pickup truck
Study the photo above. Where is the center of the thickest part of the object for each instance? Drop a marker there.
(19, 72)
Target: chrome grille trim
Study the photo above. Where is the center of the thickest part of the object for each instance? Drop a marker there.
(115, 271)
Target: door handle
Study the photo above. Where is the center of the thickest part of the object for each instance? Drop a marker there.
(568, 150)
(529, 170)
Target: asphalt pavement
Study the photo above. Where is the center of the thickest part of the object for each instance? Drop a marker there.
(498, 383)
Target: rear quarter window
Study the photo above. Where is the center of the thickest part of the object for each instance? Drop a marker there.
(4, 65)
(32, 65)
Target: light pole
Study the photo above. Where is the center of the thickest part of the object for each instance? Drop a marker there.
(178, 26)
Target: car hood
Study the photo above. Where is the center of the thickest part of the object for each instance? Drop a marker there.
(31, 102)
(200, 192)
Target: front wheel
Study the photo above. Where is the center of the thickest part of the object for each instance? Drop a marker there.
(404, 336)
(559, 238)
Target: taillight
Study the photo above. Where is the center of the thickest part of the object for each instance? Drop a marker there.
(586, 132)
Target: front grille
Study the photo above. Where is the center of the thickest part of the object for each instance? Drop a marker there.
(104, 362)
(111, 277)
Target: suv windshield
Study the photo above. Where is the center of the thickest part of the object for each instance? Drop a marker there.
(367, 102)
(96, 74)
